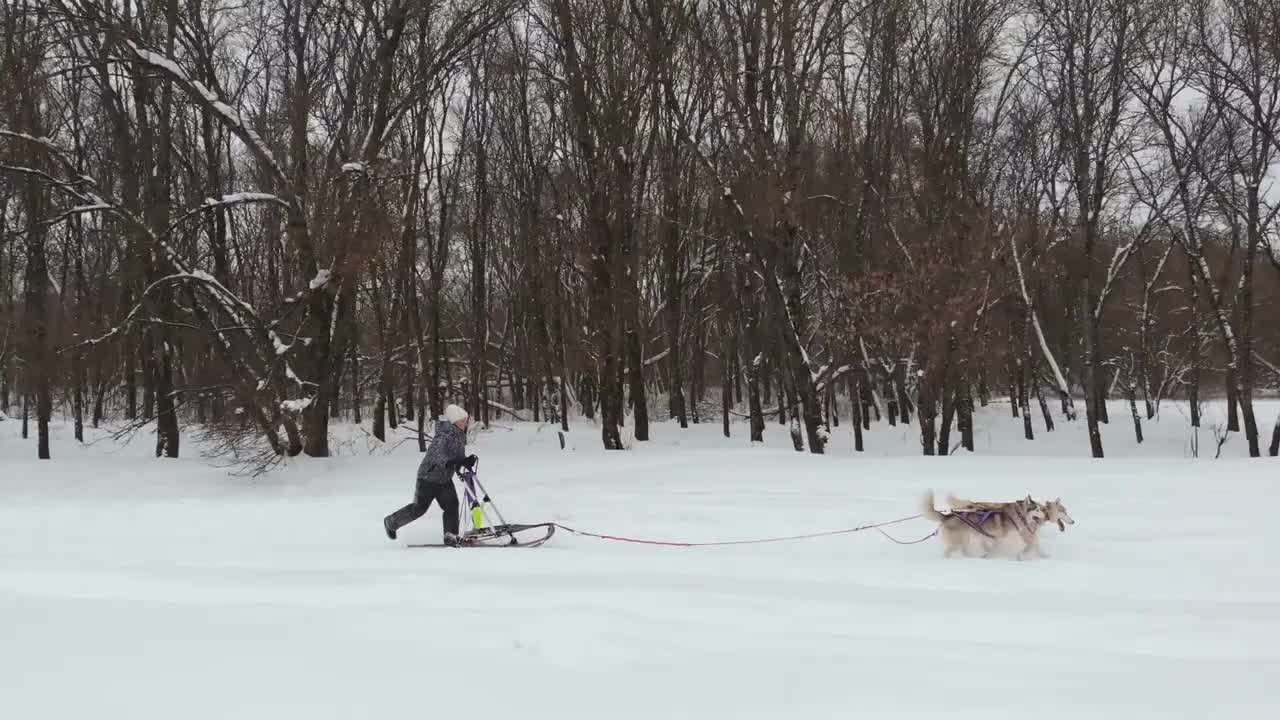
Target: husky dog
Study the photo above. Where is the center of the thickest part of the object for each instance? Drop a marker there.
(1055, 513)
(986, 524)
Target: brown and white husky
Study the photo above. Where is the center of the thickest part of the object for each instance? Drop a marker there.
(987, 524)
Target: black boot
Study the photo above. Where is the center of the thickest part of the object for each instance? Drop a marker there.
(386, 525)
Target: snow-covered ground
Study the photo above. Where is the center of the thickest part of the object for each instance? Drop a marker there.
(132, 587)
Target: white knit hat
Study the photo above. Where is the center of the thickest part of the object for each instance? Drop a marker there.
(453, 414)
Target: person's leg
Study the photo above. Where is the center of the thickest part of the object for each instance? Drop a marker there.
(404, 516)
(447, 496)
(423, 494)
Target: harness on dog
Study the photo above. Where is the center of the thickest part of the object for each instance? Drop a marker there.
(975, 519)
(1018, 513)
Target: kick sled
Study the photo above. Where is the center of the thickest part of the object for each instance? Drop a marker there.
(483, 533)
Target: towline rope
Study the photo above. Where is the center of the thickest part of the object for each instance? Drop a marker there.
(906, 542)
(757, 541)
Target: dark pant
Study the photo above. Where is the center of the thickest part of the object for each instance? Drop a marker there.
(424, 493)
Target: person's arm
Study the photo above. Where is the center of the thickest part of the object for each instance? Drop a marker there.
(465, 460)
(458, 457)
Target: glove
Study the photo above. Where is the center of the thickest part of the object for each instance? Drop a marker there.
(469, 461)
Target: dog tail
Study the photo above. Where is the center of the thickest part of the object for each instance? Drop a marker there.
(928, 510)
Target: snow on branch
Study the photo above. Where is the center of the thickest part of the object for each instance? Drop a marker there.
(67, 187)
(92, 203)
(831, 198)
(823, 378)
(503, 408)
(201, 93)
(1118, 260)
(1269, 365)
(295, 406)
(242, 198)
(1063, 389)
(897, 239)
(91, 208)
(1122, 254)
(85, 191)
(656, 358)
(53, 150)
(130, 318)
(293, 377)
(320, 280)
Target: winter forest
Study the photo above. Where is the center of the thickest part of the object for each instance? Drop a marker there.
(261, 218)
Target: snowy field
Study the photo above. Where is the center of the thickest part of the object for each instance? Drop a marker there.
(138, 588)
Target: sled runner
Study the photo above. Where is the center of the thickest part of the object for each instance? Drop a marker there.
(508, 535)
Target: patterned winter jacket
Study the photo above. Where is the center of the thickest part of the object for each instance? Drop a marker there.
(447, 451)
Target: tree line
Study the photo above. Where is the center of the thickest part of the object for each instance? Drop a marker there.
(254, 217)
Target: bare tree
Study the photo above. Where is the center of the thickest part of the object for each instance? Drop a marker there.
(251, 220)
(1086, 50)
